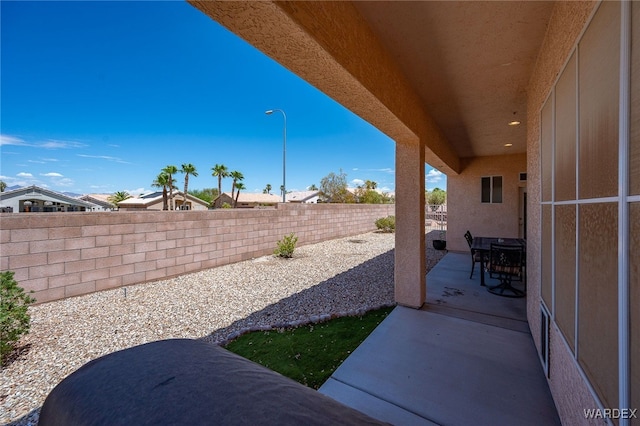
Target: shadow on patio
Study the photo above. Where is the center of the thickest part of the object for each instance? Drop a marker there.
(466, 357)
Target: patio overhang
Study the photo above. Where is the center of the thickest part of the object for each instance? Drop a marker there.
(450, 75)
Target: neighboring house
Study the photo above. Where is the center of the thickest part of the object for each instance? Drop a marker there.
(100, 201)
(154, 201)
(34, 199)
(302, 197)
(532, 110)
(247, 200)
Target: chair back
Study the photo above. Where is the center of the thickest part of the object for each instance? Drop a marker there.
(469, 238)
(505, 260)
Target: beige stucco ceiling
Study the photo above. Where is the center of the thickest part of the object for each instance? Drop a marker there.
(449, 74)
(470, 63)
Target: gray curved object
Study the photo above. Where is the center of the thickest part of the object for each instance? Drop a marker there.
(187, 382)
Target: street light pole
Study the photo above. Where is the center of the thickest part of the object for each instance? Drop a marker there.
(284, 152)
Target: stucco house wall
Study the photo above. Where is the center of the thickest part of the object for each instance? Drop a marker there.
(156, 203)
(570, 390)
(465, 211)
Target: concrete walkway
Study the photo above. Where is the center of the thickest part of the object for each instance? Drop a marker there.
(466, 358)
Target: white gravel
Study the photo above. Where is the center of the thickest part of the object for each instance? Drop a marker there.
(334, 278)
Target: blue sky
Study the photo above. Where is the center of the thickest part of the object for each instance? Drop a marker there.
(98, 97)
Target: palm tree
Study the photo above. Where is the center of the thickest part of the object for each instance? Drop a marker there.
(370, 185)
(267, 189)
(313, 187)
(162, 181)
(239, 186)
(237, 177)
(188, 169)
(220, 171)
(118, 196)
(171, 170)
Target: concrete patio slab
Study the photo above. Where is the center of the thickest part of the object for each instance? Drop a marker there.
(466, 361)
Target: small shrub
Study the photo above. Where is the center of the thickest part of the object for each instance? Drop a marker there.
(286, 246)
(14, 319)
(386, 224)
(226, 206)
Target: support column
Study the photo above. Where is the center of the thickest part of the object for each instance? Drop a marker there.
(410, 262)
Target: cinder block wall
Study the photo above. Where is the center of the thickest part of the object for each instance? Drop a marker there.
(59, 255)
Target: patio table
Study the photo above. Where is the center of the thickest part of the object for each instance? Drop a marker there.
(483, 246)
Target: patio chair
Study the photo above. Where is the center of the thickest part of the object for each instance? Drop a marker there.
(476, 256)
(506, 264)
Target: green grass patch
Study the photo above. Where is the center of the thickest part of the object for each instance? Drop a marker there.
(311, 353)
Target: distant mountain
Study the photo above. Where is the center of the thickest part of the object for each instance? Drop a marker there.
(11, 188)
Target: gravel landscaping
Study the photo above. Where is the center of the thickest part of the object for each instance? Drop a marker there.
(334, 278)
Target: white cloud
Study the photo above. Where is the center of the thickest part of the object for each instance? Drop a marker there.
(137, 191)
(434, 176)
(382, 170)
(11, 140)
(24, 175)
(357, 182)
(64, 182)
(104, 157)
(51, 174)
(35, 161)
(55, 144)
(48, 144)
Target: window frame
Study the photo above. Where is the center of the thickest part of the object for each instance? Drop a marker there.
(495, 195)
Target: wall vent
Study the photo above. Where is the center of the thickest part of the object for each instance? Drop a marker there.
(523, 177)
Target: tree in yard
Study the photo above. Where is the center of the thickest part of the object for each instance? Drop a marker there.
(118, 196)
(368, 196)
(267, 189)
(162, 181)
(206, 194)
(220, 171)
(239, 186)
(313, 187)
(370, 185)
(237, 177)
(14, 314)
(3, 185)
(188, 169)
(333, 188)
(436, 198)
(171, 170)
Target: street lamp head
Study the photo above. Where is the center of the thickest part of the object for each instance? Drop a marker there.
(269, 112)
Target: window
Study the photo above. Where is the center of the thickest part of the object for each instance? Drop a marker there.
(491, 189)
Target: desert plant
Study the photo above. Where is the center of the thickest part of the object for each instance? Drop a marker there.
(386, 224)
(286, 246)
(14, 319)
(226, 205)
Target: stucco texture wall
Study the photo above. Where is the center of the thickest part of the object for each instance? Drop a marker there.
(467, 212)
(59, 255)
(567, 386)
